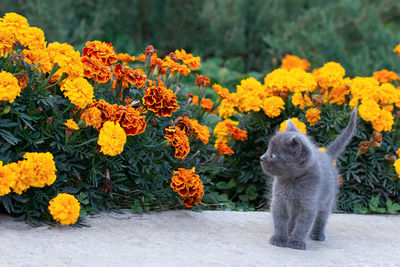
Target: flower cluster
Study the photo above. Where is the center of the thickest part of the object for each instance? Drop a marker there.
(188, 185)
(37, 170)
(64, 208)
(224, 131)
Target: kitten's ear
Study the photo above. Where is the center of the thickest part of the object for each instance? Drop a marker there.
(295, 145)
(290, 126)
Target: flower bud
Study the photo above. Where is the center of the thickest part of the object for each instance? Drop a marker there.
(363, 147)
(50, 120)
(39, 109)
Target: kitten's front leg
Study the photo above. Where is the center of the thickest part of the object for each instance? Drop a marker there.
(281, 218)
(304, 221)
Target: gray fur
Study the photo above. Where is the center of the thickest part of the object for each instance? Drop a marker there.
(305, 184)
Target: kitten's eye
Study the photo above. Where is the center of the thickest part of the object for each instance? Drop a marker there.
(273, 156)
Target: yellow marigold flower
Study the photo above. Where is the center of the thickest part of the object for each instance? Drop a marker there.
(299, 125)
(14, 21)
(338, 94)
(250, 95)
(397, 166)
(9, 87)
(273, 106)
(291, 62)
(397, 49)
(65, 208)
(6, 40)
(112, 138)
(388, 94)
(312, 116)
(7, 179)
(71, 124)
(385, 76)
(179, 140)
(175, 67)
(226, 108)
(67, 58)
(363, 88)
(79, 91)
(40, 167)
(330, 75)
(192, 62)
(201, 131)
(39, 58)
(188, 185)
(384, 121)
(221, 130)
(92, 117)
(398, 152)
(299, 100)
(31, 37)
(369, 110)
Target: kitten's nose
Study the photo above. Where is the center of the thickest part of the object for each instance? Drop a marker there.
(262, 158)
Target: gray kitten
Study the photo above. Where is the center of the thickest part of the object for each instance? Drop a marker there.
(305, 184)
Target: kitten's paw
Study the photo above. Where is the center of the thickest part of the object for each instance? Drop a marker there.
(278, 241)
(317, 236)
(297, 244)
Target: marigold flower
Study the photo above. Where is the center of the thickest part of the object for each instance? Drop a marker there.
(125, 58)
(206, 103)
(160, 100)
(7, 179)
(67, 59)
(107, 110)
(250, 94)
(149, 50)
(39, 58)
(273, 106)
(202, 81)
(185, 124)
(156, 66)
(188, 185)
(112, 138)
(31, 37)
(369, 110)
(293, 80)
(338, 94)
(79, 91)
(100, 50)
(290, 62)
(398, 152)
(201, 131)
(9, 87)
(179, 140)
(95, 68)
(6, 40)
(92, 117)
(71, 124)
(397, 166)
(299, 100)
(313, 116)
(363, 147)
(224, 149)
(129, 76)
(226, 129)
(64, 208)
(192, 62)
(299, 125)
(384, 121)
(330, 75)
(317, 100)
(14, 21)
(388, 94)
(131, 120)
(226, 108)
(175, 67)
(222, 92)
(385, 76)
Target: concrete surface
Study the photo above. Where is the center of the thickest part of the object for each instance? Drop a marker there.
(185, 238)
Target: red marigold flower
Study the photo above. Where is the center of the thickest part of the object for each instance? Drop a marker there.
(128, 75)
(202, 81)
(160, 100)
(100, 50)
(188, 185)
(94, 68)
(179, 140)
(149, 50)
(224, 149)
(236, 132)
(130, 120)
(157, 63)
(191, 126)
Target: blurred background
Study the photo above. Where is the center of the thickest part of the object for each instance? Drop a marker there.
(231, 36)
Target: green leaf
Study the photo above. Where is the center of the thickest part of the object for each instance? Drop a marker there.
(9, 137)
(225, 185)
(137, 207)
(391, 207)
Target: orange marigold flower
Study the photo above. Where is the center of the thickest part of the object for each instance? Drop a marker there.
(107, 110)
(313, 116)
(160, 100)
(201, 131)
(226, 129)
(206, 103)
(202, 81)
(330, 75)
(237, 133)
(369, 110)
(92, 117)
(385, 76)
(112, 138)
(299, 125)
(127, 75)
(7, 179)
(397, 49)
(39, 58)
(188, 59)
(150, 50)
(222, 92)
(185, 124)
(14, 21)
(224, 149)
(9, 87)
(179, 140)
(299, 100)
(188, 185)
(31, 37)
(397, 167)
(398, 152)
(6, 40)
(64, 208)
(157, 66)
(131, 120)
(100, 50)
(70, 124)
(125, 58)
(291, 62)
(95, 68)
(175, 67)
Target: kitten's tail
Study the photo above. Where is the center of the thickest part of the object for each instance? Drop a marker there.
(339, 144)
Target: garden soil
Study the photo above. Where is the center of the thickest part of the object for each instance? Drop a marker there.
(186, 238)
